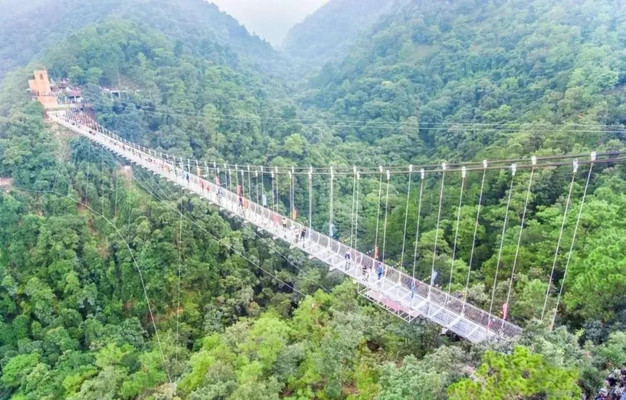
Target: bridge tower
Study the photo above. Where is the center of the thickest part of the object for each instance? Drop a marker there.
(41, 90)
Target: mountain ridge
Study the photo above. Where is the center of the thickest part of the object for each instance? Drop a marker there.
(332, 29)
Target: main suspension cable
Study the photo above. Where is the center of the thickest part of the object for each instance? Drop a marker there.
(494, 164)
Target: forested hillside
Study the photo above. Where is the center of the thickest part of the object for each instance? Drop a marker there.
(29, 28)
(510, 68)
(114, 284)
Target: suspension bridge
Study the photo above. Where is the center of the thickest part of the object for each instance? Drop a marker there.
(397, 292)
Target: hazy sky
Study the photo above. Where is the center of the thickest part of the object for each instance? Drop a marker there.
(270, 19)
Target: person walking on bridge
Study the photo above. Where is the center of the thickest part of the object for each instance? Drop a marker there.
(220, 193)
(303, 236)
(284, 223)
(364, 271)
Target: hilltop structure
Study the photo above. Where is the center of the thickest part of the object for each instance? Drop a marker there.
(41, 90)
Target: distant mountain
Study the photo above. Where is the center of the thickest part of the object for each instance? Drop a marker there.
(329, 32)
(27, 28)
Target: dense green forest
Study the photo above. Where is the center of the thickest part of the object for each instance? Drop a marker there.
(116, 285)
(29, 28)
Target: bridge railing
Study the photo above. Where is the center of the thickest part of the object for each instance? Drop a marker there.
(491, 324)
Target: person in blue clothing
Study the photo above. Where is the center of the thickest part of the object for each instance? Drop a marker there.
(380, 270)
